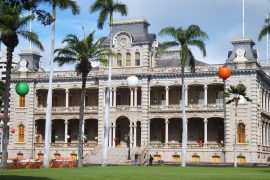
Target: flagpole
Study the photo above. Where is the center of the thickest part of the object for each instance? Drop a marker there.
(243, 19)
(30, 29)
(267, 45)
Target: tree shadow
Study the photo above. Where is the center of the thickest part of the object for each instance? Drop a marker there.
(12, 177)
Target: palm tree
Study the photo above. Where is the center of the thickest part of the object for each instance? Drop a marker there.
(183, 38)
(12, 25)
(61, 4)
(236, 93)
(107, 8)
(82, 52)
(265, 30)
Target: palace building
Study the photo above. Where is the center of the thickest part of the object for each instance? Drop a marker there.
(149, 116)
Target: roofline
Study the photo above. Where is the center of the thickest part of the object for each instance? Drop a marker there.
(134, 21)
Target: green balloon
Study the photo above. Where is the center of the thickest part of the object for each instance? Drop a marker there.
(56, 137)
(22, 88)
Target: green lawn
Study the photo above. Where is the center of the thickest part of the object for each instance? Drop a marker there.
(131, 172)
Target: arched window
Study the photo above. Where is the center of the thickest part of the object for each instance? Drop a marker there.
(241, 135)
(195, 158)
(128, 59)
(157, 157)
(119, 60)
(22, 101)
(176, 158)
(21, 133)
(137, 59)
(215, 159)
(241, 159)
(73, 157)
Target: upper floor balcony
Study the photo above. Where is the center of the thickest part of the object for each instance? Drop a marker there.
(161, 98)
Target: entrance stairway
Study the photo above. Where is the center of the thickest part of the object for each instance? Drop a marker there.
(116, 156)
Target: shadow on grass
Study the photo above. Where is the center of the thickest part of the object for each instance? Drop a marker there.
(263, 170)
(12, 177)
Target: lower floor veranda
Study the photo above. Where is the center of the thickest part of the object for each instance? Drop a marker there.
(161, 132)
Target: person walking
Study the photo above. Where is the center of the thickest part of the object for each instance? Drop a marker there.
(150, 160)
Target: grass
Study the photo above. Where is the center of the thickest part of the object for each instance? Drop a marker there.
(131, 172)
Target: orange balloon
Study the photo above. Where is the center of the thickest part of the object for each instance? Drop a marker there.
(224, 72)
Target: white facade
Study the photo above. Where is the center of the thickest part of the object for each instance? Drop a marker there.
(149, 115)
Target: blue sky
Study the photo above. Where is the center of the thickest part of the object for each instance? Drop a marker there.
(220, 19)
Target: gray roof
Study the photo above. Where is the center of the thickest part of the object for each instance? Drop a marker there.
(175, 63)
(138, 29)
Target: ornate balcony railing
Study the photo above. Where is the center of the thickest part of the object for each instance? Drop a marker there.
(176, 107)
(126, 108)
(69, 109)
(263, 148)
(66, 145)
(189, 146)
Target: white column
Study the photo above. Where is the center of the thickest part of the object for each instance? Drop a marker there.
(263, 99)
(110, 98)
(131, 97)
(114, 96)
(110, 136)
(149, 132)
(114, 135)
(266, 135)
(67, 92)
(149, 96)
(205, 130)
(66, 131)
(186, 95)
(104, 96)
(167, 95)
(136, 97)
(130, 135)
(266, 101)
(135, 136)
(263, 134)
(205, 95)
(36, 102)
(83, 125)
(166, 131)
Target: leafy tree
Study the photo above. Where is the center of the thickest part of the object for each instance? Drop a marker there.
(183, 38)
(82, 53)
(236, 93)
(12, 25)
(107, 8)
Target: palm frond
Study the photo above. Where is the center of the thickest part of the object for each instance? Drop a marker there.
(164, 46)
(121, 8)
(32, 37)
(199, 44)
(61, 60)
(170, 31)
(68, 4)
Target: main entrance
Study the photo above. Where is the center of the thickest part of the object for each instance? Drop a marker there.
(122, 132)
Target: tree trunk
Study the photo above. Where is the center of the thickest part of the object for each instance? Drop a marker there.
(6, 107)
(184, 122)
(48, 124)
(81, 135)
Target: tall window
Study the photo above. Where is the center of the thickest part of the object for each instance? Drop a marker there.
(54, 101)
(21, 133)
(241, 135)
(119, 60)
(137, 59)
(22, 101)
(128, 59)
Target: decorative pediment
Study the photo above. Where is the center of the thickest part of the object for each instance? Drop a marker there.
(122, 40)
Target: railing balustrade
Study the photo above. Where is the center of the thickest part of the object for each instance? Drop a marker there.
(66, 145)
(69, 109)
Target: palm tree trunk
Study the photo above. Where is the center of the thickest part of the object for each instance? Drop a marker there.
(235, 127)
(184, 123)
(6, 107)
(80, 146)
(48, 124)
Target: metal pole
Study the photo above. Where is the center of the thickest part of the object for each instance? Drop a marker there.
(243, 20)
(128, 140)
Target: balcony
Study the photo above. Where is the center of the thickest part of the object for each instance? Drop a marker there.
(191, 107)
(125, 108)
(72, 109)
(64, 145)
(189, 146)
